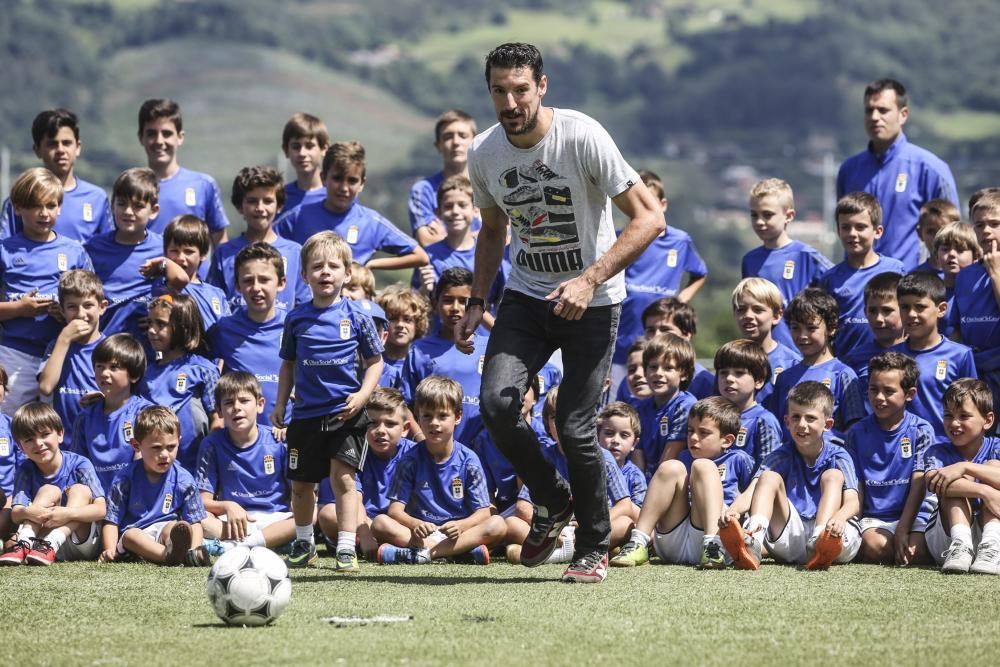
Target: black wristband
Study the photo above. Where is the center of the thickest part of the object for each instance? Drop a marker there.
(475, 301)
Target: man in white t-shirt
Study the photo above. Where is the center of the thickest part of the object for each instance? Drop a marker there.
(551, 174)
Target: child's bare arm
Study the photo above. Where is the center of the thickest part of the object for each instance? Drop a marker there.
(356, 401)
(397, 512)
(411, 260)
(286, 380)
(740, 504)
(109, 542)
(694, 284)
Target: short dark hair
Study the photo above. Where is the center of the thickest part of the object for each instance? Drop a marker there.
(624, 410)
(234, 382)
(859, 202)
(452, 116)
(249, 178)
(675, 348)
(35, 417)
(302, 126)
(259, 250)
(882, 286)
(455, 276)
(724, 413)
(514, 55)
(812, 303)
(156, 419)
(923, 285)
(895, 361)
(975, 390)
(879, 85)
(812, 394)
(682, 315)
(744, 353)
(155, 109)
(124, 350)
(137, 183)
(342, 154)
(188, 229)
(48, 123)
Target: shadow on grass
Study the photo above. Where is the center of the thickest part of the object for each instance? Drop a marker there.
(418, 580)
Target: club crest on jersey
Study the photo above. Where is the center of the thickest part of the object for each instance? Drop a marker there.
(777, 371)
(905, 447)
(216, 305)
(941, 369)
(345, 329)
(62, 262)
(4, 446)
(482, 360)
(672, 257)
(722, 471)
(664, 425)
(284, 263)
(741, 437)
(541, 383)
(189, 197)
(352, 234)
(168, 503)
(182, 382)
(268, 465)
(457, 490)
(826, 382)
(789, 271)
(127, 431)
(901, 182)
(88, 212)
(293, 459)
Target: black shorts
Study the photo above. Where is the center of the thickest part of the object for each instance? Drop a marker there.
(314, 442)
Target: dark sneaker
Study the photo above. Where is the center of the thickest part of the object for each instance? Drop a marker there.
(302, 554)
(347, 561)
(14, 554)
(198, 557)
(40, 553)
(712, 557)
(178, 544)
(543, 538)
(742, 548)
(477, 556)
(591, 568)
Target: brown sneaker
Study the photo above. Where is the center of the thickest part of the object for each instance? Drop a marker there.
(828, 547)
(744, 549)
(178, 543)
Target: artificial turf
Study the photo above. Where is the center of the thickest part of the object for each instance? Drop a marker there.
(501, 614)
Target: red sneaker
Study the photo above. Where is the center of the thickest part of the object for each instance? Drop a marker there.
(14, 554)
(543, 537)
(41, 553)
(590, 568)
(828, 547)
(742, 548)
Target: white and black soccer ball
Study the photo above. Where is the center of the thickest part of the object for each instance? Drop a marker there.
(249, 586)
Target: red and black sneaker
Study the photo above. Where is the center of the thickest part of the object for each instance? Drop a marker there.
(543, 538)
(590, 568)
(41, 553)
(14, 554)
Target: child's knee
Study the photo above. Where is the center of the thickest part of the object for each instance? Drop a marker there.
(48, 495)
(496, 528)
(303, 490)
(671, 470)
(702, 467)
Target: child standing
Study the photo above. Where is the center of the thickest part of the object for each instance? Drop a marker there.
(935, 215)
(186, 242)
(304, 141)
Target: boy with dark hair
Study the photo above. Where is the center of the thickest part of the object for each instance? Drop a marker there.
(186, 242)
(935, 215)
(884, 321)
(742, 369)
(618, 431)
(85, 212)
(671, 315)
(304, 141)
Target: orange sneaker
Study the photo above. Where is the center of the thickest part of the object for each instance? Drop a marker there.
(828, 546)
(744, 549)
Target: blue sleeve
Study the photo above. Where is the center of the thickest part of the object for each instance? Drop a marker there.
(768, 438)
(369, 341)
(925, 440)
(85, 474)
(117, 499)
(841, 180)
(413, 373)
(22, 486)
(852, 402)
(777, 462)
(678, 423)
(192, 509)
(401, 485)
(287, 351)
(421, 205)
(107, 222)
(744, 473)
(77, 437)
(209, 380)
(695, 265)
(638, 490)
(391, 240)
(844, 464)
(617, 487)
(968, 367)
(215, 276)
(215, 212)
(207, 470)
(303, 293)
(475, 483)
(7, 223)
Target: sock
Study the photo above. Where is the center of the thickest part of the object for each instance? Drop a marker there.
(710, 539)
(757, 524)
(346, 541)
(25, 533)
(639, 537)
(963, 534)
(991, 532)
(56, 538)
(818, 529)
(254, 539)
(305, 533)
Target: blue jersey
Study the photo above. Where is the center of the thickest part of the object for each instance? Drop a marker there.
(76, 380)
(434, 355)
(253, 476)
(10, 456)
(26, 266)
(443, 257)
(211, 301)
(376, 478)
(186, 385)
(939, 367)
(847, 285)
(501, 478)
(127, 292)
(251, 347)
(885, 461)
(223, 272)
(324, 344)
(780, 359)
(440, 492)
(190, 192)
(736, 469)
(635, 479)
(84, 213)
(759, 434)
(858, 357)
(702, 385)
(661, 425)
(848, 401)
(802, 480)
(392, 372)
(658, 272)
(423, 203)
(296, 196)
(364, 229)
(945, 454)
(548, 377)
(73, 470)
(135, 502)
(106, 439)
(903, 178)
(976, 314)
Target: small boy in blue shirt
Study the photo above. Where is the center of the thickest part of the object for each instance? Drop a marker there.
(365, 231)
(408, 314)
(888, 449)
(438, 496)
(31, 262)
(668, 362)
(57, 500)
(332, 356)
(884, 321)
(956, 248)
(154, 509)
(687, 496)
(241, 471)
(804, 498)
(671, 315)
(618, 431)
(304, 141)
(859, 225)
(935, 215)
(10, 456)
(742, 369)
(67, 374)
(186, 242)
(103, 431)
(55, 137)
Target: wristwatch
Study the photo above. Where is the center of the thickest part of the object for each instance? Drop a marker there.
(475, 301)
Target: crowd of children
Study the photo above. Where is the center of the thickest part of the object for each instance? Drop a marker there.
(168, 393)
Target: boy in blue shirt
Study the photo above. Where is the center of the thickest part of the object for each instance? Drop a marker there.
(304, 141)
(154, 509)
(55, 137)
(859, 225)
(258, 196)
(668, 363)
(804, 498)
(618, 430)
(31, 262)
(186, 242)
(67, 374)
(671, 315)
(687, 496)
(241, 471)
(935, 215)
(408, 314)
(365, 230)
(332, 356)
(812, 319)
(965, 476)
(884, 321)
(182, 191)
(789, 265)
(956, 248)
(438, 496)
(10, 456)
(922, 303)
(57, 500)
(130, 258)
(742, 369)
(103, 431)
(888, 449)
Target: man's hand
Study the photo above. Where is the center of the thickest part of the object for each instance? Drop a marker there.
(467, 328)
(573, 297)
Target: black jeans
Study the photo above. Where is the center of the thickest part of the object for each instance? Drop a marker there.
(525, 335)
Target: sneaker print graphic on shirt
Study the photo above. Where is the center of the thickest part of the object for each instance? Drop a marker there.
(526, 194)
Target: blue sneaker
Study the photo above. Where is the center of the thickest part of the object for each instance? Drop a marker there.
(213, 547)
(302, 554)
(389, 554)
(476, 556)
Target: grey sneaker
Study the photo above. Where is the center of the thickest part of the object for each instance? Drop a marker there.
(302, 554)
(957, 558)
(987, 559)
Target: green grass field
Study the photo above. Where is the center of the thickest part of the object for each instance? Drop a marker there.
(130, 614)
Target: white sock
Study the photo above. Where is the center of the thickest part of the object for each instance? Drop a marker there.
(758, 523)
(56, 538)
(817, 530)
(640, 537)
(305, 533)
(254, 539)
(991, 532)
(709, 539)
(346, 541)
(25, 533)
(961, 533)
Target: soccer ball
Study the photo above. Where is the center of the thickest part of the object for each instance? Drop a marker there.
(249, 586)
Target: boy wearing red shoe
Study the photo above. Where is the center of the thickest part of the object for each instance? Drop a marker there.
(804, 502)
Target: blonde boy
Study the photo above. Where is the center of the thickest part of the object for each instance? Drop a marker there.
(758, 307)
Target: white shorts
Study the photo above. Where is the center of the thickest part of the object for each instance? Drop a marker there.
(154, 531)
(938, 538)
(682, 545)
(869, 523)
(22, 379)
(790, 545)
(88, 549)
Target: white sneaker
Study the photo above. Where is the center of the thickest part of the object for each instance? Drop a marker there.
(957, 558)
(987, 559)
